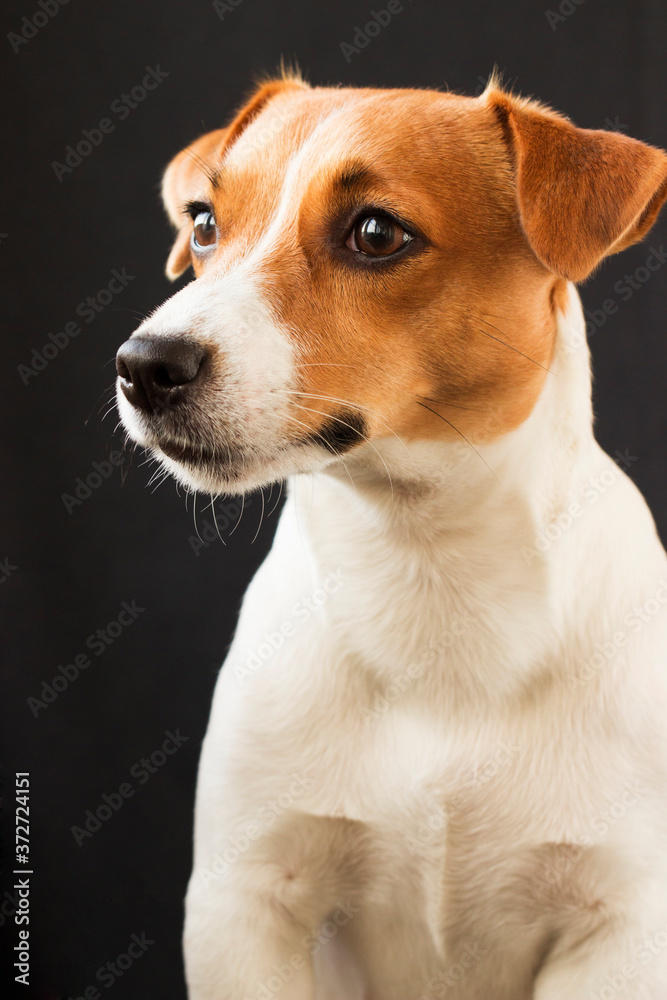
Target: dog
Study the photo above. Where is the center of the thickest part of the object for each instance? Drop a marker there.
(436, 763)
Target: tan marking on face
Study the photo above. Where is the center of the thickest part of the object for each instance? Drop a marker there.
(462, 323)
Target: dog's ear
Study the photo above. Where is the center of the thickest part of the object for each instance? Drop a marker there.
(189, 174)
(582, 194)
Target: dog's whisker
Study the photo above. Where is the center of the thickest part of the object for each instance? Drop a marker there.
(515, 349)
(100, 402)
(316, 434)
(469, 443)
(162, 480)
(194, 515)
(458, 406)
(261, 519)
(347, 402)
(240, 515)
(215, 518)
(280, 491)
(364, 438)
(203, 165)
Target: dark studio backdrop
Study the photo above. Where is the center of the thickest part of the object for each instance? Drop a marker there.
(82, 248)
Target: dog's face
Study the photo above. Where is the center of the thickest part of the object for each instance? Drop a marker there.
(369, 263)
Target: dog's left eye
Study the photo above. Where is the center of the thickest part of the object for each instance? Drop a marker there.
(205, 232)
(377, 236)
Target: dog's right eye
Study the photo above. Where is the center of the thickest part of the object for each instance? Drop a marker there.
(205, 232)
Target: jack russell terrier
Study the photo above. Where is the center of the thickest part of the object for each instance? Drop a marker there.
(436, 764)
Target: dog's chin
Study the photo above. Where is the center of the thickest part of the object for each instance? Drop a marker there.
(228, 470)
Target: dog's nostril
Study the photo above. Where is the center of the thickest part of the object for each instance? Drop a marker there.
(163, 379)
(153, 369)
(122, 370)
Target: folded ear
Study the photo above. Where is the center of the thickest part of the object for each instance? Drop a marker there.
(582, 194)
(188, 176)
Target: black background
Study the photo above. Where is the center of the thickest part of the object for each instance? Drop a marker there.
(601, 63)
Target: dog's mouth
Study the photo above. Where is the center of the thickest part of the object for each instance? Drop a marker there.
(190, 454)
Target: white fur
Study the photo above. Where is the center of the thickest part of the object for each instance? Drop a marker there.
(412, 724)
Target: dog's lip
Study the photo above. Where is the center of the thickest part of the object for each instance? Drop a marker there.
(192, 454)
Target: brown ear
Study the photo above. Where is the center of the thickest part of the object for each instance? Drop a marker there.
(188, 176)
(582, 194)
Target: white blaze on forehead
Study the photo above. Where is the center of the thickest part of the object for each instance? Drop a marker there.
(230, 311)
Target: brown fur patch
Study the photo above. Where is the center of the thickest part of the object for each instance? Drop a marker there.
(506, 198)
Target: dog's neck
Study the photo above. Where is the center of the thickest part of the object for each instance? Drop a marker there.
(442, 532)
(439, 487)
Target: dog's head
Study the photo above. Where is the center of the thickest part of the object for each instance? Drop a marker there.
(368, 262)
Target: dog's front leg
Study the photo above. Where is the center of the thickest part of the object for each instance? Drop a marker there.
(252, 922)
(615, 960)
(242, 945)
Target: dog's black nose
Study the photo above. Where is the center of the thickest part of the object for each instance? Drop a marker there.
(155, 370)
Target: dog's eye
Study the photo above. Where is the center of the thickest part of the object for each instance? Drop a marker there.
(205, 233)
(377, 236)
